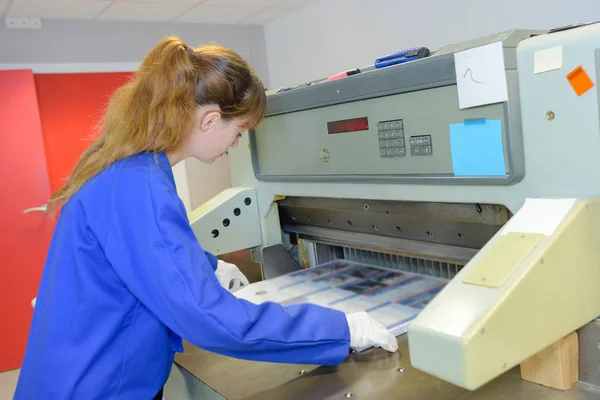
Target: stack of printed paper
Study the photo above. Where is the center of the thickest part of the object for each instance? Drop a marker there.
(392, 297)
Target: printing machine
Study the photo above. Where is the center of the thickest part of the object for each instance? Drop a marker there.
(315, 182)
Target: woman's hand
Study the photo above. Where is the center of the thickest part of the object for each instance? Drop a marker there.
(366, 332)
(230, 277)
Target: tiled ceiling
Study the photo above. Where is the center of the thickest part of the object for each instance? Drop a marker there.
(198, 11)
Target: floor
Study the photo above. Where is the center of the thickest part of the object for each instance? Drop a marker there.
(8, 382)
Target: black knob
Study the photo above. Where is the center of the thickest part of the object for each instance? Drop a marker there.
(247, 201)
(226, 222)
(215, 233)
(237, 212)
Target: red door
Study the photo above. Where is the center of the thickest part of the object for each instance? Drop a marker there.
(24, 237)
(71, 106)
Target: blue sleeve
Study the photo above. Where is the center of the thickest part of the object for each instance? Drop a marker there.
(212, 260)
(152, 248)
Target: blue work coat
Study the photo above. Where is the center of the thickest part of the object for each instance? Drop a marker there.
(125, 279)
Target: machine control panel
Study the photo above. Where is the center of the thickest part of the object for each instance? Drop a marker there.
(405, 137)
(391, 138)
(421, 145)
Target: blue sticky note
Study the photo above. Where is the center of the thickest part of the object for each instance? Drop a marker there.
(477, 149)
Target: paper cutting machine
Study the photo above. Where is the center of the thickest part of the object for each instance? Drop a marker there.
(386, 167)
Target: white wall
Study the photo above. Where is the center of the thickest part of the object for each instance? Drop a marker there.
(206, 181)
(335, 35)
(84, 46)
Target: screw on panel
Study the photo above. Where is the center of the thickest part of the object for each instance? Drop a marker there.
(302, 372)
(237, 212)
(400, 369)
(215, 233)
(430, 234)
(226, 222)
(348, 395)
(550, 115)
(247, 201)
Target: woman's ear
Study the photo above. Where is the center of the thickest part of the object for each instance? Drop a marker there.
(209, 120)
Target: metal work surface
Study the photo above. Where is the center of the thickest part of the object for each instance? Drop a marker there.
(589, 353)
(374, 374)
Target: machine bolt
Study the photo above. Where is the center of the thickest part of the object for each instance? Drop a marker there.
(325, 155)
(400, 369)
(302, 372)
(550, 115)
(348, 395)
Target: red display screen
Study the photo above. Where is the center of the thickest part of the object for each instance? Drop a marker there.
(348, 125)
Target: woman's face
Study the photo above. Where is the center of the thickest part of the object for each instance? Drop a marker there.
(211, 136)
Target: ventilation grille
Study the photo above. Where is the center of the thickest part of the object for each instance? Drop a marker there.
(326, 253)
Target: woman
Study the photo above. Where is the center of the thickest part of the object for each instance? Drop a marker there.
(125, 278)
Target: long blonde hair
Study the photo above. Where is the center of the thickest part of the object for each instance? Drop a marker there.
(155, 110)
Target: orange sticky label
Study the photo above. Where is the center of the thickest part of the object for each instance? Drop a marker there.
(580, 80)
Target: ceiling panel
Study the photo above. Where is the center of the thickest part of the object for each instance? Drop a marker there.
(195, 11)
(218, 15)
(293, 4)
(138, 11)
(67, 9)
(243, 3)
(265, 16)
(190, 2)
(3, 5)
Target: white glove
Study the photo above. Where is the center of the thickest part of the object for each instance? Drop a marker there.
(230, 277)
(366, 332)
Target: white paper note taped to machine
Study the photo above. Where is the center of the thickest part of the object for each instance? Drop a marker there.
(539, 216)
(547, 60)
(480, 76)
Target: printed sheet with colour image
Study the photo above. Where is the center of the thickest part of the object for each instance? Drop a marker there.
(392, 297)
